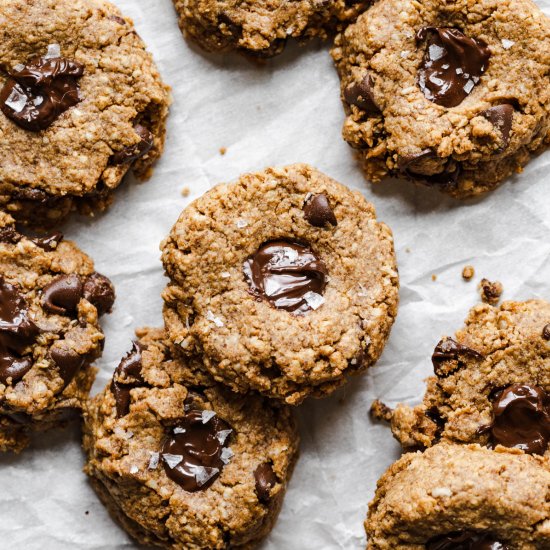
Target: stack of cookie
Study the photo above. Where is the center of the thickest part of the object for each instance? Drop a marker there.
(484, 480)
(282, 284)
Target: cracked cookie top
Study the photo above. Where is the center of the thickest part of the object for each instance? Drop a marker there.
(181, 461)
(81, 102)
(262, 28)
(283, 282)
(491, 383)
(450, 94)
(462, 497)
(50, 302)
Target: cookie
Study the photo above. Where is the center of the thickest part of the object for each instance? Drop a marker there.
(491, 383)
(283, 282)
(180, 461)
(262, 28)
(450, 94)
(455, 497)
(50, 302)
(81, 104)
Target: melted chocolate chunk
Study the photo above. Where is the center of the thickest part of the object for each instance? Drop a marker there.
(193, 454)
(420, 166)
(452, 65)
(265, 481)
(36, 94)
(100, 292)
(62, 295)
(68, 361)
(126, 377)
(447, 350)
(49, 242)
(17, 332)
(546, 332)
(522, 418)
(9, 235)
(465, 541)
(133, 152)
(361, 94)
(501, 116)
(317, 211)
(283, 273)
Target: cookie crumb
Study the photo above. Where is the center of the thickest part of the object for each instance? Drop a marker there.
(380, 411)
(490, 292)
(434, 277)
(468, 272)
(87, 512)
(185, 192)
(223, 150)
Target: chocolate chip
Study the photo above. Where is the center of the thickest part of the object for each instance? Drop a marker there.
(265, 481)
(449, 350)
(361, 94)
(452, 65)
(546, 332)
(126, 377)
(49, 242)
(138, 150)
(465, 541)
(17, 332)
(317, 211)
(522, 418)
(63, 295)
(36, 94)
(288, 275)
(194, 454)
(501, 116)
(100, 292)
(68, 362)
(426, 167)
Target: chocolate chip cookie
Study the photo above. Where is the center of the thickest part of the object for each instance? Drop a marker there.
(450, 94)
(262, 28)
(181, 462)
(50, 302)
(491, 383)
(81, 103)
(458, 497)
(283, 282)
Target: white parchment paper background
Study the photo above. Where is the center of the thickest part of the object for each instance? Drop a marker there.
(287, 111)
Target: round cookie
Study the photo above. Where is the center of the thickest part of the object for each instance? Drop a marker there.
(262, 28)
(50, 302)
(81, 103)
(491, 383)
(283, 282)
(451, 94)
(455, 497)
(181, 462)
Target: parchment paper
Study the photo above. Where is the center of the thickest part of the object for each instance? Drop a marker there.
(287, 111)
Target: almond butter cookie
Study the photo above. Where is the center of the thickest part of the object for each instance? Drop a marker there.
(81, 103)
(283, 282)
(180, 461)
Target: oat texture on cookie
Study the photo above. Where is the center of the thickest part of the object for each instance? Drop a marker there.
(457, 497)
(450, 94)
(491, 384)
(182, 462)
(50, 302)
(81, 104)
(283, 282)
(261, 28)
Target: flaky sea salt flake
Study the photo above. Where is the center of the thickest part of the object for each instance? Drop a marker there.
(314, 300)
(172, 460)
(134, 469)
(154, 460)
(216, 320)
(507, 44)
(241, 224)
(203, 474)
(179, 430)
(16, 101)
(226, 455)
(222, 435)
(441, 492)
(225, 274)
(206, 416)
(54, 50)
